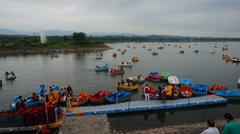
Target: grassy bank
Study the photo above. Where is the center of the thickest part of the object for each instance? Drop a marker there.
(31, 44)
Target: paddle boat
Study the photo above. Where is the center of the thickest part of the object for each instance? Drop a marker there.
(181, 51)
(10, 76)
(32, 120)
(216, 87)
(117, 71)
(185, 91)
(173, 80)
(186, 82)
(98, 56)
(154, 76)
(114, 55)
(103, 68)
(160, 47)
(28, 102)
(153, 93)
(129, 86)
(154, 53)
(126, 64)
(81, 100)
(120, 96)
(224, 48)
(213, 52)
(235, 59)
(196, 51)
(200, 89)
(135, 59)
(172, 92)
(228, 93)
(136, 79)
(149, 49)
(165, 75)
(99, 97)
(41, 90)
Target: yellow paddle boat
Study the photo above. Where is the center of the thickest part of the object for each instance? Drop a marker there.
(127, 86)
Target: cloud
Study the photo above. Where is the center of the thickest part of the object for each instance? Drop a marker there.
(175, 17)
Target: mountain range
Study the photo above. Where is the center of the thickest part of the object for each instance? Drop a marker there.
(57, 32)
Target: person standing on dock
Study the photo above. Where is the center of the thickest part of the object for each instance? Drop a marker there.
(146, 94)
(164, 94)
(211, 128)
(232, 126)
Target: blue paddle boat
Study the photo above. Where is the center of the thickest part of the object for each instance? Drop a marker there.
(120, 96)
(103, 68)
(29, 102)
(186, 82)
(13, 105)
(42, 90)
(200, 90)
(229, 93)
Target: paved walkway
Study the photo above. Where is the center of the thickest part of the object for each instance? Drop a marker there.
(195, 128)
(85, 125)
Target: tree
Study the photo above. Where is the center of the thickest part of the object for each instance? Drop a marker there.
(79, 38)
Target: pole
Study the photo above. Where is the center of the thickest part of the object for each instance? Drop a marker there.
(46, 110)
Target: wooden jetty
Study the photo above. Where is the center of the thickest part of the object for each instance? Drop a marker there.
(141, 105)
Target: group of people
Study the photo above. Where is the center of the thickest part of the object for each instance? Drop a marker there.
(128, 83)
(162, 93)
(231, 127)
(7, 73)
(116, 70)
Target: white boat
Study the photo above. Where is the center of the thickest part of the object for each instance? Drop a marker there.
(173, 80)
(235, 59)
(98, 57)
(126, 64)
(136, 79)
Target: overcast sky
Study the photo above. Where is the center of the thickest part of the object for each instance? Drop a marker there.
(173, 17)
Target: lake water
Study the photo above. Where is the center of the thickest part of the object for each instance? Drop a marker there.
(77, 69)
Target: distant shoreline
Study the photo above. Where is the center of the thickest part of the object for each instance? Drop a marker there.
(16, 51)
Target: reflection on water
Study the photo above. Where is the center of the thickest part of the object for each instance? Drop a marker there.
(152, 119)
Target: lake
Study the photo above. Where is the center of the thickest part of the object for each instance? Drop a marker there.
(77, 69)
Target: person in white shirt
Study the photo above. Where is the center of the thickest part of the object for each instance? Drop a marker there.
(146, 94)
(211, 128)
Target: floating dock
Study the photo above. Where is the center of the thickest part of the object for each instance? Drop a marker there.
(141, 105)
